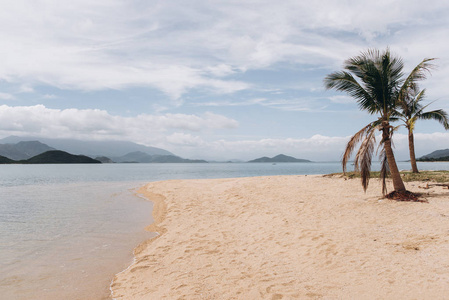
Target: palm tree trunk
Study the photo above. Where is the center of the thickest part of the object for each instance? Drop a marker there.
(398, 184)
(411, 147)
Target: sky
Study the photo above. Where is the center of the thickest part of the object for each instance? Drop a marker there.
(215, 80)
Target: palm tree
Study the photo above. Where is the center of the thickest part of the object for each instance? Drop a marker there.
(376, 81)
(412, 110)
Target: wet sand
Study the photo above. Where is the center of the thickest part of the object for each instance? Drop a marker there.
(287, 237)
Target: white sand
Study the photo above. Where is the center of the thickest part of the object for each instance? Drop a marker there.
(288, 237)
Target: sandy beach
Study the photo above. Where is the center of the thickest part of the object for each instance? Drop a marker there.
(289, 237)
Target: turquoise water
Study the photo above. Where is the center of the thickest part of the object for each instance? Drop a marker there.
(65, 230)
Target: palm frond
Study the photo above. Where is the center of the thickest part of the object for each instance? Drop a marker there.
(353, 142)
(363, 158)
(418, 73)
(345, 82)
(437, 115)
(376, 124)
(420, 96)
(384, 169)
(394, 69)
(395, 119)
(394, 129)
(357, 64)
(411, 103)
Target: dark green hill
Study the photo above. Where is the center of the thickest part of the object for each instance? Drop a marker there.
(443, 158)
(5, 160)
(278, 159)
(59, 157)
(438, 155)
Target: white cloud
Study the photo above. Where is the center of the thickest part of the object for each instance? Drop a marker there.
(49, 96)
(99, 124)
(185, 140)
(177, 46)
(6, 96)
(341, 99)
(25, 89)
(232, 103)
(101, 45)
(304, 104)
(220, 70)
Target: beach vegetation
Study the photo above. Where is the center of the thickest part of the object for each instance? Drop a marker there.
(407, 176)
(375, 79)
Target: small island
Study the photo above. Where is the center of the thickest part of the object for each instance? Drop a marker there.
(438, 155)
(281, 158)
(431, 159)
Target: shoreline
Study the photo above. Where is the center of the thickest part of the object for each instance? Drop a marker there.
(158, 213)
(197, 243)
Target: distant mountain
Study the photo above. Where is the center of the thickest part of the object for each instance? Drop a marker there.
(104, 159)
(136, 156)
(278, 159)
(10, 151)
(140, 157)
(33, 148)
(60, 157)
(90, 148)
(226, 161)
(438, 155)
(174, 159)
(105, 152)
(23, 150)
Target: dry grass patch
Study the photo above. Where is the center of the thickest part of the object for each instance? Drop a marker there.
(407, 176)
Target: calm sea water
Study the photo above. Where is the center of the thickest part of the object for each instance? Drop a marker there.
(65, 230)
